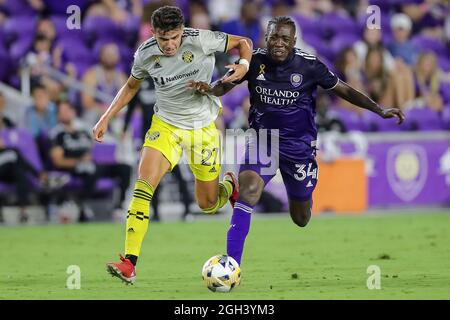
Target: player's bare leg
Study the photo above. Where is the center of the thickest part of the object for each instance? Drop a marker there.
(152, 167)
(213, 195)
(206, 193)
(300, 212)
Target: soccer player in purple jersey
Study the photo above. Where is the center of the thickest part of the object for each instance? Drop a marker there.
(282, 81)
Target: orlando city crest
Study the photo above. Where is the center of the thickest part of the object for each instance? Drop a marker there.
(187, 56)
(296, 79)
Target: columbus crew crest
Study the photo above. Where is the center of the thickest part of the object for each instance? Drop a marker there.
(157, 62)
(187, 56)
(152, 136)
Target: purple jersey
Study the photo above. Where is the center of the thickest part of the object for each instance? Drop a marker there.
(282, 97)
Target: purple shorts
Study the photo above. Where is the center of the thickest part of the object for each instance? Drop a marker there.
(299, 172)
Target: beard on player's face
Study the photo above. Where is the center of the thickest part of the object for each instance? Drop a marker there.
(280, 40)
(169, 41)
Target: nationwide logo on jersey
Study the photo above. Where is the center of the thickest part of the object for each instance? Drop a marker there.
(187, 56)
(296, 79)
(152, 136)
(261, 73)
(157, 62)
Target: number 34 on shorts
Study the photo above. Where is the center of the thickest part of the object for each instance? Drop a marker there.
(304, 171)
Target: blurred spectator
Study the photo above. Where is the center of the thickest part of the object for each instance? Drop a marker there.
(119, 11)
(247, 25)
(401, 46)
(372, 39)
(427, 15)
(40, 117)
(427, 83)
(105, 77)
(222, 11)
(376, 74)
(16, 170)
(43, 55)
(5, 122)
(348, 70)
(72, 152)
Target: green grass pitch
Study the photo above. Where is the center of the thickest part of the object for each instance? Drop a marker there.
(326, 260)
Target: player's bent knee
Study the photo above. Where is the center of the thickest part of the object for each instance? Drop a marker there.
(205, 204)
(301, 219)
(250, 190)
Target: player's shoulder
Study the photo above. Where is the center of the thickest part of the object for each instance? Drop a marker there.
(258, 52)
(148, 47)
(303, 55)
(191, 33)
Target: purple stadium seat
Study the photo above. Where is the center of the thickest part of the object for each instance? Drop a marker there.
(18, 7)
(104, 153)
(101, 27)
(6, 188)
(445, 91)
(60, 6)
(444, 62)
(332, 24)
(6, 64)
(60, 22)
(427, 43)
(308, 25)
(319, 44)
(341, 41)
(20, 47)
(422, 119)
(350, 120)
(136, 125)
(76, 51)
(2, 36)
(24, 141)
(446, 117)
(103, 184)
(382, 4)
(19, 26)
(375, 123)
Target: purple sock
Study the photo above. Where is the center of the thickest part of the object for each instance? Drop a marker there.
(239, 227)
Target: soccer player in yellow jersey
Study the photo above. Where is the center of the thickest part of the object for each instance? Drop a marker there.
(183, 120)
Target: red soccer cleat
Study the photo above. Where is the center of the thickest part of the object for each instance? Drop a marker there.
(124, 270)
(229, 176)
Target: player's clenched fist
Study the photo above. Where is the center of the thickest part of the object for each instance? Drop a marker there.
(99, 129)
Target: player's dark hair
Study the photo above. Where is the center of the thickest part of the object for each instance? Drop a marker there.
(167, 18)
(281, 21)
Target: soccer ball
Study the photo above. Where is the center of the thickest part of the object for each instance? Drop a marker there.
(221, 273)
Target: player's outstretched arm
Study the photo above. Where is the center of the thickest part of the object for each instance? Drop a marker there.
(123, 97)
(245, 47)
(359, 99)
